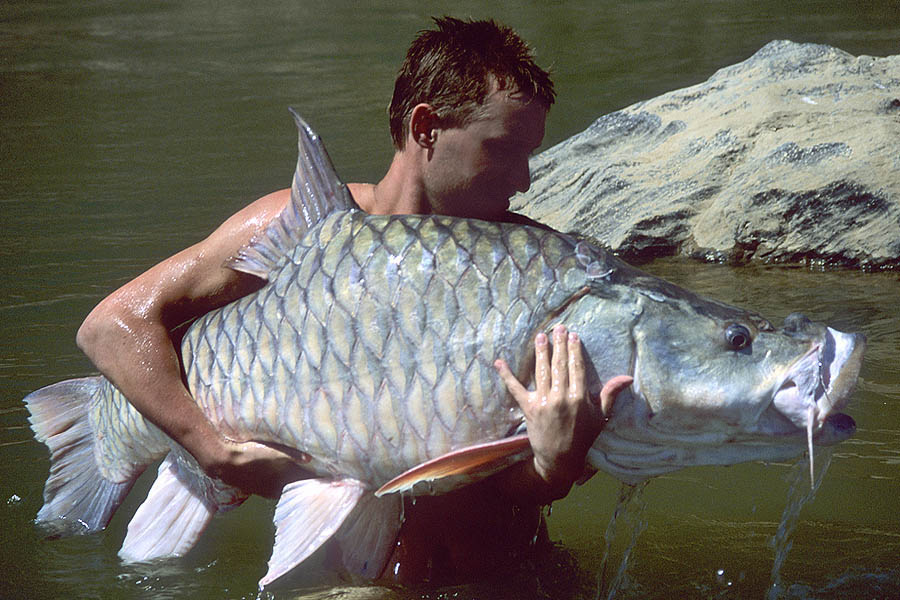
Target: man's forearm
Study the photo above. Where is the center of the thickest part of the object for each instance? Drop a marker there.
(141, 361)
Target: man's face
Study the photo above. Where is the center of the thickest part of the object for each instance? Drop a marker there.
(475, 169)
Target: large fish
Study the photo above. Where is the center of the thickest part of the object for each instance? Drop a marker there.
(370, 349)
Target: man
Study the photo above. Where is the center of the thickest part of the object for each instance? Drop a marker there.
(469, 108)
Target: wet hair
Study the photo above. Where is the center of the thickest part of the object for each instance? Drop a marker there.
(455, 67)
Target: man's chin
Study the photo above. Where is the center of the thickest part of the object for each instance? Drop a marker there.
(485, 209)
(498, 211)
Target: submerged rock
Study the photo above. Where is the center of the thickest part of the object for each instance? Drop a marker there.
(792, 155)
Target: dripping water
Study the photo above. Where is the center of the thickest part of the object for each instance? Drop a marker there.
(621, 535)
(800, 493)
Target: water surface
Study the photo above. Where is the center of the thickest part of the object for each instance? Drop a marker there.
(129, 130)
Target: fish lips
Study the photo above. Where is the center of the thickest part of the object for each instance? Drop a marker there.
(836, 428)
(820, 384)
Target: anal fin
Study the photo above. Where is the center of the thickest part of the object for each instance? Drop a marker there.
(170, 520)
(461, 467)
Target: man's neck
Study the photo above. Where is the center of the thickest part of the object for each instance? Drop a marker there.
(399, 192)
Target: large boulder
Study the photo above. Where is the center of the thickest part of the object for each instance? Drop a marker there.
(790, 156)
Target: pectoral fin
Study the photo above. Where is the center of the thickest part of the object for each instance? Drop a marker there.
(308, 513)
(461, 467)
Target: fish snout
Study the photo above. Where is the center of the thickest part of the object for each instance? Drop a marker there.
(821, 382)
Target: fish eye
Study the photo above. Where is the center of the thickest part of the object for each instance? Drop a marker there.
(737, 336)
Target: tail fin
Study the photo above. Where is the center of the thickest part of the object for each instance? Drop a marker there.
(86, 483)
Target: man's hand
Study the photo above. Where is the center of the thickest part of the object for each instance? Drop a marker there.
(257, 468)
(562, 420)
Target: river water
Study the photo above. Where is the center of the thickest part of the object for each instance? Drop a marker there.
(130, 130)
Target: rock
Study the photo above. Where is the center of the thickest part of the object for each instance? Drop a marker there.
(792, 155)
(361, 592)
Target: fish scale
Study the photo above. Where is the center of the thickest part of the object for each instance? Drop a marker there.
(119, 424)
(451, 277)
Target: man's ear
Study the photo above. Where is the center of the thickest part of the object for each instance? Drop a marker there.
(423, 125)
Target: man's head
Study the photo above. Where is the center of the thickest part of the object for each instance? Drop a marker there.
(456, 67)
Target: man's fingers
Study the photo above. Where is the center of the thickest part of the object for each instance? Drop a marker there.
(560, 360)
(541, 363)
(277, 465)
(297, 456)
(263, 468)
(610, 390)
(576, 368)
(516, 389)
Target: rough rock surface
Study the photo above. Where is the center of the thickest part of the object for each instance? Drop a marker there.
(792, 155)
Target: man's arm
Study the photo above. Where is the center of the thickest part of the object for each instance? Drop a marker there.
(129, 338)
(561, 418)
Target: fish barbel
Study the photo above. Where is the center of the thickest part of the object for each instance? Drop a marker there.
(370, 349)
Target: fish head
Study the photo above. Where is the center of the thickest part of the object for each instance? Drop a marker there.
(742, 378)
(716, 384)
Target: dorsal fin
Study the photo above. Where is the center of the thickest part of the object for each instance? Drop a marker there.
(316, 192)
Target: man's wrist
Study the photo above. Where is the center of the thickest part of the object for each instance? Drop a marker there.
(211, 451)
(556, 480)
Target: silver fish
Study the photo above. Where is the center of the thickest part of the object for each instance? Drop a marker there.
(370, 349)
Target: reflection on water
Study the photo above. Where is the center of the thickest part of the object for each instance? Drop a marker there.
(130, 130)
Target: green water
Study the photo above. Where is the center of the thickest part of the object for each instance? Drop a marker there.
(130, 130)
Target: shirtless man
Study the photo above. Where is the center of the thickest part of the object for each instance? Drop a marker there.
(469, 108)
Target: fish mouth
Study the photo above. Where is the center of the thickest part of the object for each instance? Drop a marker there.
(819, 385)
